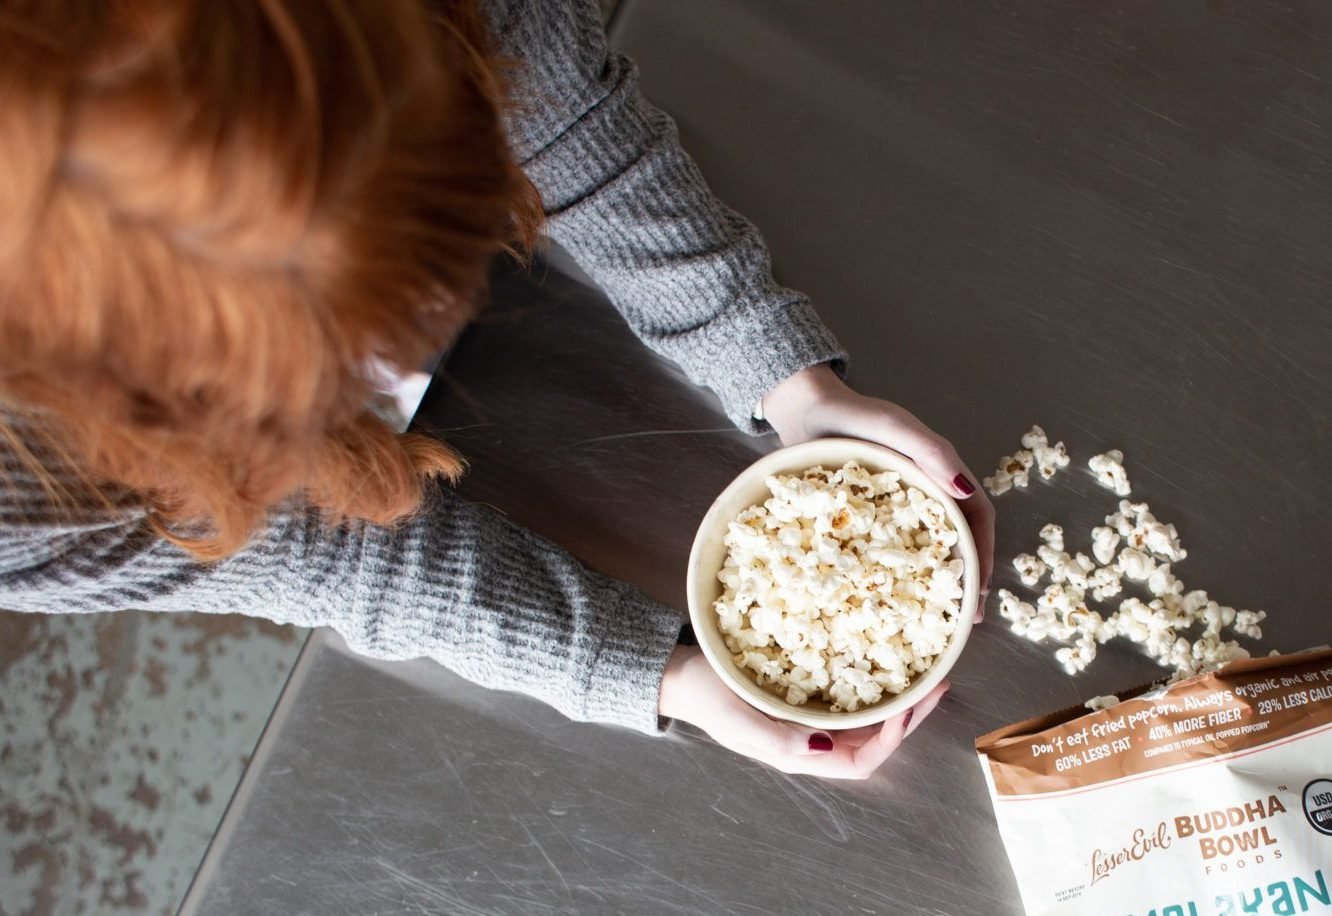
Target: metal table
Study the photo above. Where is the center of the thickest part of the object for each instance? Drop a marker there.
(1114, 220)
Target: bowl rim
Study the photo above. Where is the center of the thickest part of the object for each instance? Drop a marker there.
(795, 459)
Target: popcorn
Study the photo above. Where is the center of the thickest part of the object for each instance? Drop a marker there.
(1078, 571)
(1030, 569)
(1053, 535)
(1211, 652)
(1055, 560)
(1135, 564)
(1062, 613)
(1073, 570)
(1162, 582)
(1096, 704)
(1035, 439)
(840, 587)
(1141, 530)
(1104, 582)
(1012, 472)
(1158, 625)
(1017, 611)
(1059, 599)
(998, 484)
(1109, 470)
(1214, 616)
(1015, 470)
(1050, 459)
(1133, 547)
(1104, 541)
(1246, 623)
(1078, 656)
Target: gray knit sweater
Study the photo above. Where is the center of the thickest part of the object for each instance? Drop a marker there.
(458, 583)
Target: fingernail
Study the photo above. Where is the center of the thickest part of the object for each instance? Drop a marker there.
(966, 486)
(820, 742)
(906, 719)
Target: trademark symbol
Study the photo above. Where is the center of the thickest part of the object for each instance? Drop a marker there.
(1283, 788)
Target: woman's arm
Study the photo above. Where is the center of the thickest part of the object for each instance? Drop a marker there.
(691, 276)
(457, 584)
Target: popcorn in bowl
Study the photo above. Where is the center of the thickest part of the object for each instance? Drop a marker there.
(840, 587)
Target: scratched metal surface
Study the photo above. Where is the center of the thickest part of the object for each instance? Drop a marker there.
(1114, 220)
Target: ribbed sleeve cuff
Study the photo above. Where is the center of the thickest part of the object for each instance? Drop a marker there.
(624, 680)
(766, 350)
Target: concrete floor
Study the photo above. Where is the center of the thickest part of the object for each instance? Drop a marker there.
(122, 737)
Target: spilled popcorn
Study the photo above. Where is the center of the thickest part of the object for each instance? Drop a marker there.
(1109, 470)
(1180, 628)
(840, 587)
(1161, 625)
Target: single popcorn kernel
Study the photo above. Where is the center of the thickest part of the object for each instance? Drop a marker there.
(841, 587)
(1053, 535)
(1108, 468)
(1030, 569)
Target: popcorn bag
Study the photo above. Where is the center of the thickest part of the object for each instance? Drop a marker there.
(1210, 797)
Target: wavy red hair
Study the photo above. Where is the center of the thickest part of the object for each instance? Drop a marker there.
(214, 217)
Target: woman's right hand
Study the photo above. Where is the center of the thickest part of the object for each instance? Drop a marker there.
(692, 691)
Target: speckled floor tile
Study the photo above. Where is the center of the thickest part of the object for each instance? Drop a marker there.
(122, 737)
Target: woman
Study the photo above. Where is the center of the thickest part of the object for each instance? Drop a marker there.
(225, 225)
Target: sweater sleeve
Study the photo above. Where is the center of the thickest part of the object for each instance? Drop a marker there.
(690, 276)
(457, 583)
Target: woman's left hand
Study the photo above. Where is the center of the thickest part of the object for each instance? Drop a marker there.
(692, 691)
(815, 403)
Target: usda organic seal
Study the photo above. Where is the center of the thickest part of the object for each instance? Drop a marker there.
(1318, 805)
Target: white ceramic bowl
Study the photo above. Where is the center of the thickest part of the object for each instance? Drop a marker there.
(709, 553)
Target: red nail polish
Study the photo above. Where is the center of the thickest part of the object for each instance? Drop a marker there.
(906, 719)
(820, 742)
(966, 486)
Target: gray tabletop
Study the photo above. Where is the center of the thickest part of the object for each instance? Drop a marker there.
(1114, 220)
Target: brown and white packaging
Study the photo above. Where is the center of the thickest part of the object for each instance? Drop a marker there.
(1212, 797)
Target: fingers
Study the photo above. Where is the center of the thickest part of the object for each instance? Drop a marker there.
(855, 737)
(927, 706)
(899, 429)
(759, 735)
(934, 455)
(783, 740)
(848, 761)
(896, 730)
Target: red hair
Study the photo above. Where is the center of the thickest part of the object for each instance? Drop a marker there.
(215, 216)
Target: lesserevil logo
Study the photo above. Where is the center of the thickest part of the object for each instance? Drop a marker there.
(1143, 842)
